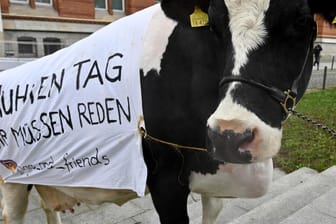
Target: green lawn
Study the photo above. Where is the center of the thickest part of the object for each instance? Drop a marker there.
(304, 145)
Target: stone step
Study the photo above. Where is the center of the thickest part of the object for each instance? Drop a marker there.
(233, 208)
(321, 210)
(284, 205)
(236, 207)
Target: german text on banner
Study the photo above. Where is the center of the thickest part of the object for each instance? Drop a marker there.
(70, 118)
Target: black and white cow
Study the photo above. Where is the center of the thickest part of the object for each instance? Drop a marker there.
(219, 87)
(224, 91)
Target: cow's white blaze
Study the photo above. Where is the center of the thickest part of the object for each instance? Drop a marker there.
(156, 41)
(247, 28)
(268, 138)
(248, 33)
(234, 180)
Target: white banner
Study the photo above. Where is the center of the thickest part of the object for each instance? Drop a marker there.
(70, 119)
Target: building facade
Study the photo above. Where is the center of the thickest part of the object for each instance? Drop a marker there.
(35, 28)
(326, 37)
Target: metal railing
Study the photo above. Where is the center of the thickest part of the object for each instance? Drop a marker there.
(326, 77)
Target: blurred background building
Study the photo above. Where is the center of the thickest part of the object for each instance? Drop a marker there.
(31, 29)
(326, 37)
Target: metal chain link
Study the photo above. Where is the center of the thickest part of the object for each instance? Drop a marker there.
(315, 123)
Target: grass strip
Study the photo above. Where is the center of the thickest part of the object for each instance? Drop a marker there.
(304, 145)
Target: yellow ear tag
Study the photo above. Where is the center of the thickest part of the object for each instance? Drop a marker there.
(334, 22)
(199, 18)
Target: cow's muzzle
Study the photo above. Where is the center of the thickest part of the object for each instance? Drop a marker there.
(228, 145)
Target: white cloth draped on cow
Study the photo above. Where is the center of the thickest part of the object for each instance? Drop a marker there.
(70, 119)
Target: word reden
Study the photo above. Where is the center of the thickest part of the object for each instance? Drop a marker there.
(111, 111)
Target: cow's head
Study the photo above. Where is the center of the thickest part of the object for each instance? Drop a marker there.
(268, 59)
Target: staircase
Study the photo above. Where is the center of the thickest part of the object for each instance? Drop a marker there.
(302, 197)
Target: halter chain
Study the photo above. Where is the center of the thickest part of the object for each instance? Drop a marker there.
(317, 124)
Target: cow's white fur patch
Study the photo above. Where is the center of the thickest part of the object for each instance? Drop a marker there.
(211, 207)
(234, 180)
(156, 41)
(247, 28)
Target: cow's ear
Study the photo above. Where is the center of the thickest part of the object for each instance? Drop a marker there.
(326, 8)
(180, 10)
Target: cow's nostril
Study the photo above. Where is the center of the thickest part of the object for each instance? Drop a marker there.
(227, 145)
(246, 137)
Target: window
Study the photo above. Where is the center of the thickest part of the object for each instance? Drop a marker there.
(118, 5)
(43, 2)
(9, 50)
(51, 45)
(27, 47)
(100, 4)
(19, 1)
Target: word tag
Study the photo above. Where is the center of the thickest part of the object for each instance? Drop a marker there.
(199, 18)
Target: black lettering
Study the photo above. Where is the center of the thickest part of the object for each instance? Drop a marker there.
(108, 74)
(67, 119)
(18, 96)
(94, 159)
(31, 94)
(106, 159)
(43, 165)
(91, 113)
(3, 138)
(28, 168)
(79, 163)
(67, 163)
(53, 123)
(54, 82)
(16, 134)
(51, 163)
(86, 160)
(94, 74)
(38, 131)
(74, 162)
(1, 92)
(42, 117)
(81, 109)
(100, 112)
(79, 64)
(121, 109)
(9, 100)
(109, 108)
(47, 165)
(27, 135)
(39, 95)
